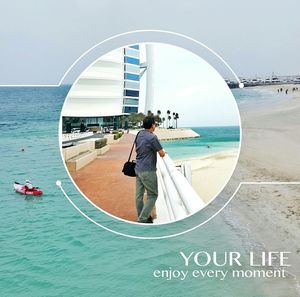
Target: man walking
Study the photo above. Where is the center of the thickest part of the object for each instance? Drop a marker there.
(147, 146)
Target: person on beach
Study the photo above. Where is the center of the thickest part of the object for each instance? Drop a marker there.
(147, 145)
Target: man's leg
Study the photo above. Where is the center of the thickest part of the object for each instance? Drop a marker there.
(139, 195)
(149, 180)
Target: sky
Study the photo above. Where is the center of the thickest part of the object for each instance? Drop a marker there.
(41, 39)
(186, 84)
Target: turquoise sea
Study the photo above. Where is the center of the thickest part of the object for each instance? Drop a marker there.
(212, 140)
(48, 249)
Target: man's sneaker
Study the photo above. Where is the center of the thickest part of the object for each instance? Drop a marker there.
(149, 220)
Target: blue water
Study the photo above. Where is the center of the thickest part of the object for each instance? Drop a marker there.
(48, 249)
(253, 99)
(212, 140)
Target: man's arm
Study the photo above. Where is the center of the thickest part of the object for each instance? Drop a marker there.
(157, 146)
(162, 153)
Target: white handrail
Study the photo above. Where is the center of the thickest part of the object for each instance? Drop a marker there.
(171, 197)
(175, 192)
(75, 136)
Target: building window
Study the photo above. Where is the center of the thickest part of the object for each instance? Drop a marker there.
(131, 93)
(132, 85)
(132, 60)
(132, 76)
(130, 101)
(132, 53)
(130, 109)
(132, 68)
(135, 46)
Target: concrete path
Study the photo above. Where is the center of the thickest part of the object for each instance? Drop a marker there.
(104, 183)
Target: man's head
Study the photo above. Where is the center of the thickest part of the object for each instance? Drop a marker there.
(149, 123)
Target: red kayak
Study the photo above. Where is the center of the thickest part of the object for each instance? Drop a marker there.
(35, 191)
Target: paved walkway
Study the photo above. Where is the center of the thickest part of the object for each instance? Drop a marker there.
(104, 183)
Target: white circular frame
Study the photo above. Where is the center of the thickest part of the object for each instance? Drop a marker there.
(59, 184)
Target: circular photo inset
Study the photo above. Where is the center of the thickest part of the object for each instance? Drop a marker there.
(150, 133)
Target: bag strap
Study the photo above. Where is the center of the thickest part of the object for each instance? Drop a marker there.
(133, 146)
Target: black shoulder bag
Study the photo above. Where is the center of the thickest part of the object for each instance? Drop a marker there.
(129, 166)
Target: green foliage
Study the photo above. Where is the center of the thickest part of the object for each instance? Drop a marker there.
(136, 118)
(100, 143)
(118, 133)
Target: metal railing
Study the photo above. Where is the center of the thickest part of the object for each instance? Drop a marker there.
(75, 136)
(176, 197)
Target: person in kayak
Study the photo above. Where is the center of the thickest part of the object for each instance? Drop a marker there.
(28, 185)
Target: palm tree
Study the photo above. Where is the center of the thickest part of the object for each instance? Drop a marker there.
(163, 120)
(176, 118)
(174, 114)
(169, 118)
(168, 115)
(149, 113)
(158, 117)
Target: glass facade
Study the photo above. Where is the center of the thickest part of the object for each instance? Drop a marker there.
(129, 52)
(130, 68)
(112, 122)
(135, 46)
(131, 93)
(131, 78)
(131, 101)
(131, 60)
(130, 109)
(133, 85)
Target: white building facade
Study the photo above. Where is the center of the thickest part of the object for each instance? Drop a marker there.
(106, 90)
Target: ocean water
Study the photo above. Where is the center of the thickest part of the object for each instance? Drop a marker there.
(48, 249)
(253, 99)
(212, 140)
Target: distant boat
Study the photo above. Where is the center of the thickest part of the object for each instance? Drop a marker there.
(19, 188)
(267, 81)
(275, 80)
(297, 80)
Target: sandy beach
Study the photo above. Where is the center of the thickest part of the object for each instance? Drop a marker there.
(172, 134)
(213, 170)
(271, 138)
(269, 215)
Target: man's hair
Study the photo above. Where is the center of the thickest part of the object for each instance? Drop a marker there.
(148, 122)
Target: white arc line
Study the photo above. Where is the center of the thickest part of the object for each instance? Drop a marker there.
(58, 183)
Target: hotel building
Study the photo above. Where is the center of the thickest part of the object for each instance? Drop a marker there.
(106, 91)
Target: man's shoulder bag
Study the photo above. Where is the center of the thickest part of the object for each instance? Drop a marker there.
(129, 166)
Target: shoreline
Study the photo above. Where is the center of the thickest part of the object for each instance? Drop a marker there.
(164, 134)
(215, 169)
(270, 153)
